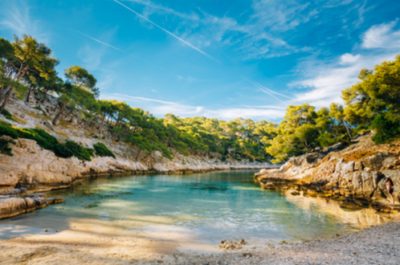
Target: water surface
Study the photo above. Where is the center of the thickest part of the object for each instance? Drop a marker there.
(209, 207)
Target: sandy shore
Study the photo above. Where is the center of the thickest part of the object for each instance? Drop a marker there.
(96, 242)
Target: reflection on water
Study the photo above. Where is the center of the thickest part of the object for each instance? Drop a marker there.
(359, 219)
(203, 207)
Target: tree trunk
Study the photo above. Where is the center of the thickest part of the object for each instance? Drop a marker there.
(7, 96)
(58, 115)
(21, 72)
(348, 131)
(29, 94)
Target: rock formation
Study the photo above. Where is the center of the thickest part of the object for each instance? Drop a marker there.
(364, 172)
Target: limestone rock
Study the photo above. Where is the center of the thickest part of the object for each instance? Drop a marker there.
(363, 169)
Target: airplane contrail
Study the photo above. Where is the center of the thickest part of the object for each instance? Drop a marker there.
(268, 91)
(173, 35)
(98, 41)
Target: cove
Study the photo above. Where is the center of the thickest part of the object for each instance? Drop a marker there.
(203, 208)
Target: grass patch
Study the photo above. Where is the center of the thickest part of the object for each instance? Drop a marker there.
(102, 150)
(48, 142)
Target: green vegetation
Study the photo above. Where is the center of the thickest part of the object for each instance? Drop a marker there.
(6, 114)
(376, 98)
(102, 150)
(5, 147)
(49, 142)
(27, 69)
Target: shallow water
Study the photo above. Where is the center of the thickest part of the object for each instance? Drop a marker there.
(209, 207)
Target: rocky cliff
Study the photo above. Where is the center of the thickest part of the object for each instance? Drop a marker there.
(363, 172)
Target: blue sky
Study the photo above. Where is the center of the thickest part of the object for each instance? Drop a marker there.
(223, 59)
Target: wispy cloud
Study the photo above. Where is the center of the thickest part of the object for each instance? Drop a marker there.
(153, 7)
(255, 37)
(325, 81)
(170, 33)
(162, 107)
(278, 15)
(382, 36)
(18, 20)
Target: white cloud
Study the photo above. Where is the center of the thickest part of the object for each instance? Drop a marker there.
(161, 107)
(17, 19)
(325, 87)
(382, 36)
(349, 58)
(324, 82)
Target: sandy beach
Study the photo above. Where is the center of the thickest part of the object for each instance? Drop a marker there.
(96, 242)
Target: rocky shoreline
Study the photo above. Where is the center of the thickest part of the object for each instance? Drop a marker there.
(32, 170)
(361, 175)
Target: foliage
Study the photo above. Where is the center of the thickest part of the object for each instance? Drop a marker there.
(81, 78)
(7, 129)
(79, 151)
(47, 141)
(5, 148)
(102, 150)
(6, 114)
(304, 129)
(376, 97)
(385, 129)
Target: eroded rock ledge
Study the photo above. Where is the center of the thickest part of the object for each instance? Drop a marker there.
(11, 206)
(363, 173)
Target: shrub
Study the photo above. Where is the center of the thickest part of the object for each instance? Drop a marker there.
(79, 151)
(102, 150)
(6, 114)
(47, 141)
(385, 130)
(61, 150)
(6, 129)
(5, 148)
(41, 137)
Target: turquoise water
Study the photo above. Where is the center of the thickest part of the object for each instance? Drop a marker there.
(210, 206)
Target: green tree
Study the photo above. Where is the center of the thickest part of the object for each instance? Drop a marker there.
(7, 60)
(65, 103)
(374, 102)
(29, 62)
(81, 78)
(297, 133)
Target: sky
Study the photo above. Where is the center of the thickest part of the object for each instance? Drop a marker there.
(222, 59)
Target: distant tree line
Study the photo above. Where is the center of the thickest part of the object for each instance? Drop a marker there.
(27, 69)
